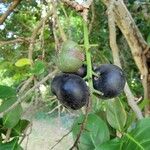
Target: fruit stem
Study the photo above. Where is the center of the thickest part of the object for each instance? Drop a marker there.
(95, 74)
(68, 21)
(97, 92)
(62, 33)
(88, 57)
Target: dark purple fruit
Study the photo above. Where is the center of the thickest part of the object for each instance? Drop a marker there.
(111, 80)
(71, 90)
(55, 84)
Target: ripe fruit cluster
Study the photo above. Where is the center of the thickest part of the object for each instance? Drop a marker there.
(69, 86)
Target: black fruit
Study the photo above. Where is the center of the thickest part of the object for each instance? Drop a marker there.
(55, 84)
(71, 90)
(70, 57)
(111, 80)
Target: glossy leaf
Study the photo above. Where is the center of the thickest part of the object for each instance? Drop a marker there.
(23, 62)
(114, 144)
(6, 92)
(11, 118)
(12, 145)
(96, 132)
(131, 116)
(7, 97)
(116, 115)
(138, 138)
(20, 127)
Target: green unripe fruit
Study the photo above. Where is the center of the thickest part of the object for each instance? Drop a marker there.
(71, 57)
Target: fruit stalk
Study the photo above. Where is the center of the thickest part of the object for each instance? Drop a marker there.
(88, 57)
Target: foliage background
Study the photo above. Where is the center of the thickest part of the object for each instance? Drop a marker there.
(18, 76)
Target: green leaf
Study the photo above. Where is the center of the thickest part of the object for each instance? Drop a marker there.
(38, 68)
(7, 97)
(20, 127)
(143, 103)
(115, 113)
(6, 103)
(11, 118)
(96, 132)
(130, 119)
(23, 62)
(138, 138)
(12, 145)
(114, 144)
(148, 39)
(6, 92)
(3, 130)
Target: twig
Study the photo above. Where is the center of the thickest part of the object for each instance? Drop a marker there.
(57, 107)
(61, 30)
(74, 5)
(8, 135)
(25, 134)
(60, 139)
(59, 110)
(82, 127)
(57, 43)
(69, 32)
(78, 7)
(42, 41)
(9, 11)
(33, 108)
(34, 33)
(115, 52)
(85, 15)
(92, 19)
(27, 82)
(22, 98)
(28, 137)
(132, 103)
(17, 40)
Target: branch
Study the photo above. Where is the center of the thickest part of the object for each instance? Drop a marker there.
(22, 98)
(56, 17)
(35, 31)
(60, 139)
(115, 52)
(27, 82)
(74, 5)
(9, 11)
(56, 39)
(8, 135)
(25, 134)
(92, 18)
(57, 107)
(14, 41)
(82, 127)
(77, 6)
